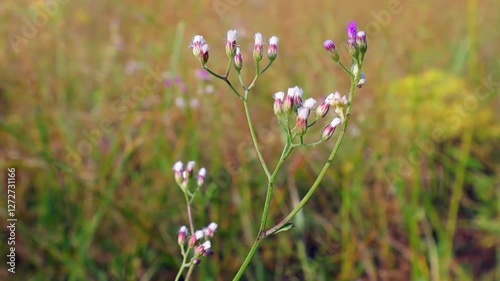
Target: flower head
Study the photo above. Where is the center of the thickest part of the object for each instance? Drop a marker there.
(201, 176)
(258, 47)
(361, 41)
(352, 30)
(272, 51)
(209, 231)
(324, 107)
(362, 80)
(197, 42)
(332, 50)
(232, 35)
(178, 172)
(279, 98)
(190, 168)
(182, 235)
(203, 58)
(238, 60)
(204, 249)
(330, 128)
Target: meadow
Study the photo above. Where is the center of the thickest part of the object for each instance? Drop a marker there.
(99, 99)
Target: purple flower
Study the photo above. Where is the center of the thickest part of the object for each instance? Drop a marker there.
(352, 30)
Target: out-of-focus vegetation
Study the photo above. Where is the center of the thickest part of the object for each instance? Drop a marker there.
(98, 99)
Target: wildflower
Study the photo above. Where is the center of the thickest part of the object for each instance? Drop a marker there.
(190, 168)
(352, 47)
(332, 50)
(361, 41)
(330, 128)
(197, 236)
(352, 30)
(182, 235)
(238, 60)
(303, 114)
(197, 44)
(204, 249)
(209, 231)
(257, 48)
(362, 80)
(272, 51)
(178, 172)
(324, 107)
(296, 93)
(203, 58)
(232, 35)
(278, 103)
(288, 103)
(201, 176)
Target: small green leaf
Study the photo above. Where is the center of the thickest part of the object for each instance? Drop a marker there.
(286, 227)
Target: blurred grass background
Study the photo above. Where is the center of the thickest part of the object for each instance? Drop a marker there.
(413, 194)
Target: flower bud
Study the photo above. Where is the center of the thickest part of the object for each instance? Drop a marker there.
(361, 41)
(302, 115)
(258, 47)
(197, 42)
(332, 50)
(182, 235)
(324, 107)
(353, 48)
(203, 58)
(362, 80)
(209, 231)
(232, 35)
(330, 128)
(272, 51)
(204, 249)
(297, 93)
(189, 169)
(238, 60)
(288, 103)
(278, 103)
(178, 172)
(201, 176)
(193, 240)
(352, 30)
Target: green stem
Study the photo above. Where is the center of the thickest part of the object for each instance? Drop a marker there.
(265, 212)
(225, 80)
(323, 171)
(254, 137)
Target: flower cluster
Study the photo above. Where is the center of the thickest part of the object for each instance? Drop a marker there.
(233, 52)
(182, 177)
(292, 102)
(199, 240)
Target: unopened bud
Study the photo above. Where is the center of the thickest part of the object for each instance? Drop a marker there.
(238, 60)
(182, 235)
(302, 116)
(178, 172)
(189, 169)
(362, 80)
(232, 35)
(204, 249)
(278, 103)
(332, 50)
(193, 240)
(361, 41)
(272, 51)
(324, 107)
(203, 57)
(209, 231)
(258, 47)
(201, 176)
(352, 30)
(353, 48)
(330, 128)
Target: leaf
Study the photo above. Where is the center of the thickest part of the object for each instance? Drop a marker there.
(284, 228)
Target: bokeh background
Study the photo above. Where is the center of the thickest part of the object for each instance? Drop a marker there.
(98, 100)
